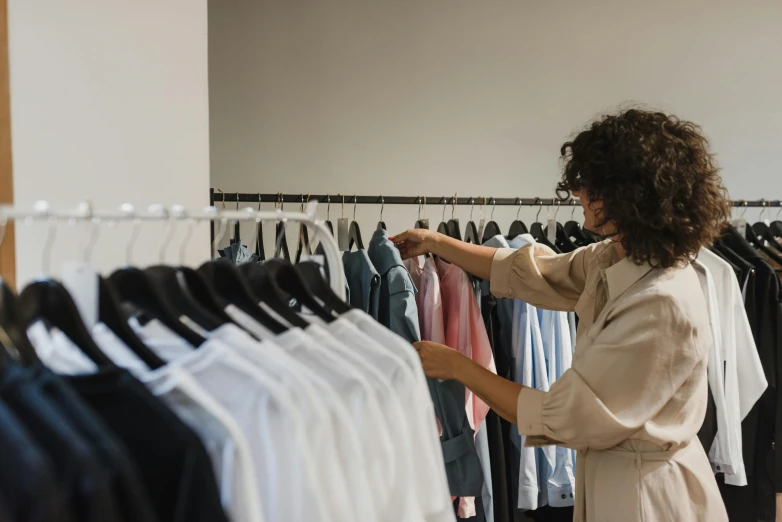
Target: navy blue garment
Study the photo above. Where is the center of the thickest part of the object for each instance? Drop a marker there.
(363, 281)
(79, 473)
(397, 309)
(173, 463)
(123, 478)
(28, 487)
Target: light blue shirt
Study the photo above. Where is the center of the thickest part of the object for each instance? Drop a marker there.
(551, 357)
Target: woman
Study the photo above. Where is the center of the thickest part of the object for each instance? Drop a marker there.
(635, 396)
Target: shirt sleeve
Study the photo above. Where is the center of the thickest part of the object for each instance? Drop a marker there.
(646, 352)
(403, 311)
(536, 274)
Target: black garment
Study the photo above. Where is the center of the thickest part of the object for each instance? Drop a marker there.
(27, 482)
(123, 477)
(172, 460)
(759, 432)
(497, 437)
(708, 431)
(79, 473)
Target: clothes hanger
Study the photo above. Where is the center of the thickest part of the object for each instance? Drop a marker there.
(537, 232)
(17, 345)
(764, 238)
(442, 228)
(137, 291)
(280, 240)
(256, 277)
(492, 228)
(453, 223)
(175, 282)
(422, 222)
(47, 300)
(354, 234)
(259, 249)
(381, 225)
(518, 227)
(304, 235)
(329, 224)
(311, 273)
(573, 229)
(290, 282)
(561, 239)
(776, 225)
(471, 231)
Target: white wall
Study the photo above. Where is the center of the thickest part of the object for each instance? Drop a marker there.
(109, 103)
(445, 96)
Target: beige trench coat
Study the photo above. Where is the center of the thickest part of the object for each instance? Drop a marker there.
(635, 396)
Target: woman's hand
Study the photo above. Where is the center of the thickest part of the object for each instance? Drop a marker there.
(439, 361)
(415, 242)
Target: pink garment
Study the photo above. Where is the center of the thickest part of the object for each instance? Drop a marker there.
(430, 304)
(465, 331)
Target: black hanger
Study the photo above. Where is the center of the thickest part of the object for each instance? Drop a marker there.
(304, 236)
(10, 322)
(282, 242)
(518, 227)
(471, 231)
(422, 223)
(537, 232)
(562, 241)
(49, 301)
(492, 228)
(354, 233)
(259, 248)
(137, 289)
(111, 314)
(762, 237)
(311, 273)
(290, 282)
(233, 288)
(172, 282)
(453, 224)
(256, 276)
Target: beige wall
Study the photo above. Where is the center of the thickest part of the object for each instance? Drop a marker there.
(109, 103)
(444, 96)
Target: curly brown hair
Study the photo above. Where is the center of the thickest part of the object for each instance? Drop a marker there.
(658, 182)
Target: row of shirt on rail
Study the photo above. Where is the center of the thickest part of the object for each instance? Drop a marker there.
(328, 423)
(740, 277)
(431, 299)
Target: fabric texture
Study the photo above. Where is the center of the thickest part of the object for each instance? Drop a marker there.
(648, 329)
(397, 308)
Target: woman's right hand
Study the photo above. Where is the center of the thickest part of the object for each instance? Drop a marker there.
(415, 242)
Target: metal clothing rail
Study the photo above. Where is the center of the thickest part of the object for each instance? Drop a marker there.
(247, 197)
(42, 211)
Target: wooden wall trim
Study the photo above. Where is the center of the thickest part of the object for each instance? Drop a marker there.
(7, 248)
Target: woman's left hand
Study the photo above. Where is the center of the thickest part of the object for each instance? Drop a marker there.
(439, 361)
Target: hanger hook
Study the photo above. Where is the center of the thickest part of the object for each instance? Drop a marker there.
(493, 207)
(744, 212)
(343, 205)
(537, 216)
(445, 204)
(518, 210)
(328, 207)
(382, 207)
(419, 208)
(454, 202)
(85, 210)
(472, 207)
(764, 205)
(355, 202)
(180, 213)
(130, 211)
(170, 229)
(222, 198)
(778, 202)
(42, 208)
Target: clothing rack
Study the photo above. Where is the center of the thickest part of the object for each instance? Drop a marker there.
(85, 212)
(215, 195)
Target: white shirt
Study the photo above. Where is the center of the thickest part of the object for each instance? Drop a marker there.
(431, 480)
(332, 438)
(217, 430)
(367, 414)
(272, 424)
(61, 357)
(744, 380)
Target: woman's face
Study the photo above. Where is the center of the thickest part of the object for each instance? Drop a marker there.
(592, 210)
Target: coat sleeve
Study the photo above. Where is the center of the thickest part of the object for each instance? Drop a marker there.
(634, 367)
(539, 276)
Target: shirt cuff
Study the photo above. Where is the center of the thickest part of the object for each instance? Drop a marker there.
(560, 496)
(501, 268)
(529, 412)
